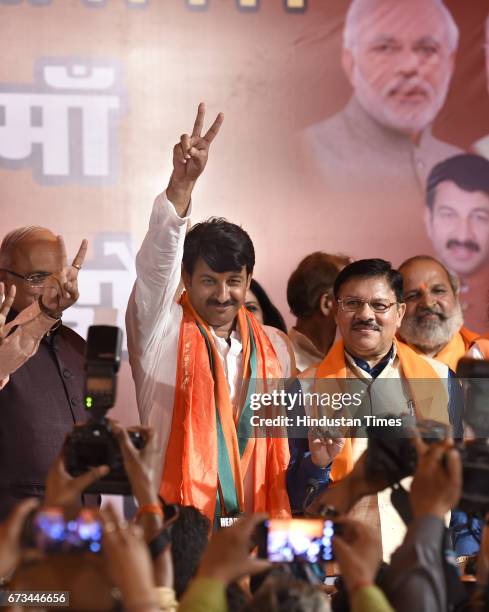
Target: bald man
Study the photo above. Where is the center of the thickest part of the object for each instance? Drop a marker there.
(44, 397)
(433, 322)
(372, 158)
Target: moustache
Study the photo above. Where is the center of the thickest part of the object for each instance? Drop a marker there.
(433, 311)
(213, 302)
(405, 86)
(365, 324)
(468, 244)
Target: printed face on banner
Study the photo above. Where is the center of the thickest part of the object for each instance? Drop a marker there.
(366, 333)
(216, 296)
(399, 61)
(433, 313)
(459, 227)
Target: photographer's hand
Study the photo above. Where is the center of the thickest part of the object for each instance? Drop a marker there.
(62, 489)
(437, 483)
(10, 532)
(358, 551)
(227, 556)
(128, 561)
(141, 465)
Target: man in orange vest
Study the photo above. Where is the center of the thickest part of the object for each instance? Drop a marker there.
(433, 322)
(392, 377)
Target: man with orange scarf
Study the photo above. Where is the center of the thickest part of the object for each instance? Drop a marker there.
(392, 378)
(196, 360)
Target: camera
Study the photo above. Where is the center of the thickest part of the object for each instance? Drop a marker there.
(391, 455)
(93, 443)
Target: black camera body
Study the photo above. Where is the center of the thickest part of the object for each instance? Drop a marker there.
(391, 455)
(475, 475)
(94, 443)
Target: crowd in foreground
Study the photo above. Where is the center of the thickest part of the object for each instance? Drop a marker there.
(162, 559)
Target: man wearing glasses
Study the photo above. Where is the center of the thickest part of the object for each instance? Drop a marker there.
(391, 378)
(44, 397)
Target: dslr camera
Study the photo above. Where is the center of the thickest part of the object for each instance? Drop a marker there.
(94, 443)
(392, 457)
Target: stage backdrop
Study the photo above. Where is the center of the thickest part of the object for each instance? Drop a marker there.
(314, 152)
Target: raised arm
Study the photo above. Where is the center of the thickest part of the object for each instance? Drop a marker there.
(189, 160)
(158, 263)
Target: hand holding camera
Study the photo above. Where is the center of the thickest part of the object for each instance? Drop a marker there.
(10, 535)
(62, 489)
(358, 551)
(141, 465)
(128, 561)
(437, 483)
(227, 557)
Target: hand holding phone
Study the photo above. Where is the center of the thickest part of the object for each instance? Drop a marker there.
(358, 551)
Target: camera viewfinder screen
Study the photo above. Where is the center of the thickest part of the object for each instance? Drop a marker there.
(306, 540)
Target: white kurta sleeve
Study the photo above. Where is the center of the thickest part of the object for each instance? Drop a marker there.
(158, 268)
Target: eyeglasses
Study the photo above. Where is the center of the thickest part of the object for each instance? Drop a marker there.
(36, 279)
(356, 304)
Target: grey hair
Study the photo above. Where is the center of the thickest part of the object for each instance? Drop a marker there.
(12, 239)
(350, 31)
(452, 277)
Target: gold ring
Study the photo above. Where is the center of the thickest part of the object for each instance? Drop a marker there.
(77, 266)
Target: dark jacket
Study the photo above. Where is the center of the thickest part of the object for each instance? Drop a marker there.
(38, 407)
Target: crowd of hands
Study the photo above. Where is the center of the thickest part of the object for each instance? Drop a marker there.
(230, 554)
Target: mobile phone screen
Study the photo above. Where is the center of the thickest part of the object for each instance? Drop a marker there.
(309, 540)
(52, 533)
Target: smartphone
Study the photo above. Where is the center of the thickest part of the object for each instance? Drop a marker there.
(297, 540)
(49, 531)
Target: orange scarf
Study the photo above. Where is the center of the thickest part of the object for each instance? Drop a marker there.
(206, 460)
(334, 366)
(456, 348)
(482, 343)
